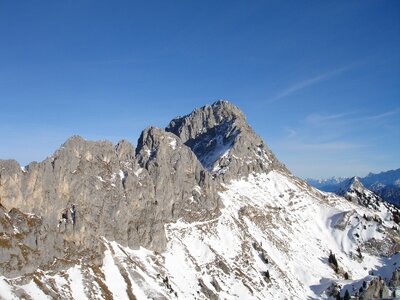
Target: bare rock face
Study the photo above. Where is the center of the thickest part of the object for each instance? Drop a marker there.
(170, 164)
(88, 190)
(224, 142)
(23, 240)
(18, 240)
(125, 151)
(80, 175)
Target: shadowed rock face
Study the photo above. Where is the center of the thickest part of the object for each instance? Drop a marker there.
(224, 142)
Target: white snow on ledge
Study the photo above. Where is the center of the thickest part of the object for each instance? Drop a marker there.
(172, 143)
(100, 178)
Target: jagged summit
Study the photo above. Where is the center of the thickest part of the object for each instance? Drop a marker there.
(223, 141)
(353, 190)
(78, 143)
(209, 116)
(76, 138)
(353, 183)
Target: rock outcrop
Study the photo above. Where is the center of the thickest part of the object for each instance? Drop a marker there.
(224, 142)
(354, 190)
(116, 192)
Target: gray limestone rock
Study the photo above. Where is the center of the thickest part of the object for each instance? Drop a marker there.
(116, 193)
(182, 188)
(224, 142)
(127, 194)
(23, 242)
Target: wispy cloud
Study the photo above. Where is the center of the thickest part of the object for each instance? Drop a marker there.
(382, 115)
(309, 82)
(347, 118)
(290, 132)
(318, 119)
(331, 146)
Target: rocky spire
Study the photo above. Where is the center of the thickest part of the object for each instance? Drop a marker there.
(224, 142)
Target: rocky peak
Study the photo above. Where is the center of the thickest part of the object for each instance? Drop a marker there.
(354, 191)
(224, 142)
(356, 183)
(151, 138)
(125, 150)
(80, 147)
(207, 117)
(353, 185)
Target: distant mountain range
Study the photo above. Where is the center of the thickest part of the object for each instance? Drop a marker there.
(385, 184)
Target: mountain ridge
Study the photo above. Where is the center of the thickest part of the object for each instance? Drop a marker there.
(177, 218)
(386, 184)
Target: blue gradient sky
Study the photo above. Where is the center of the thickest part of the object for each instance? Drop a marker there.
(318, 80)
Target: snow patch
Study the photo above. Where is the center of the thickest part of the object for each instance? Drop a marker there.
(34, 291)
(172, 143)
(113, 278)
(138, 172)
(121, 175)
(6, 292)
(76, 284)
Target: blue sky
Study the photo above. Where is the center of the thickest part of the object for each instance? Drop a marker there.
(318, 80)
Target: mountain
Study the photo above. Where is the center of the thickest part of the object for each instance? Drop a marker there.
(353, 190)
(199, 210)
(385, 184)
(224, 142)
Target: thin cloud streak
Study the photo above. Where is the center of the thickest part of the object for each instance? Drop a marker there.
(309, 82)
(317, 119)
(345, 118)
(334, 146)
(383, 115)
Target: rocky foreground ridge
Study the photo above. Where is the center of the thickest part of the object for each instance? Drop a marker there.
(201, 209)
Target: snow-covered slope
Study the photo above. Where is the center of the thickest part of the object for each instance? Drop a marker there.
(354, 191)
(271, 223)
